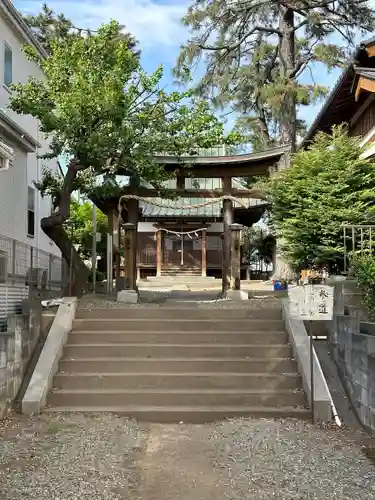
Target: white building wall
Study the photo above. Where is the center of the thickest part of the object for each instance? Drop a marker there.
(146, 227)
(26, 167)
(21, 68)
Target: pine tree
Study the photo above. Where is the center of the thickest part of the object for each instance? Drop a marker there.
(47, 25)
(255, 51)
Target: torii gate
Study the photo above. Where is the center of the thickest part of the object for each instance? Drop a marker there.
(127, 211)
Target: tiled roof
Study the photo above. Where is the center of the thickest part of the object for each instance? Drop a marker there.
(366, 73)
(213, 210)
(340, 103)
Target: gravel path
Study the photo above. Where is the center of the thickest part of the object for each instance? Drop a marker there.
(151, 299)
(104, 457)
(68, 457)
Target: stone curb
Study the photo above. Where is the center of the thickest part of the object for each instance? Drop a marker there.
(35, 398)
(301, 348)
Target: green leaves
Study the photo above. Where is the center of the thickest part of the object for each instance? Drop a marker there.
(102, 110)
(47, 26)
(81, 221)
(364, 270)
(326, 186)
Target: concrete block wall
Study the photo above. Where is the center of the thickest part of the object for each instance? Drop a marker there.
(354, 353)
(17, 346)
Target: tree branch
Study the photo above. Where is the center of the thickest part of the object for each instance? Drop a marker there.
(230, 48)
(300, 25)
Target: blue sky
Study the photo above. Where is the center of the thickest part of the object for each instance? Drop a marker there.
(156, 25)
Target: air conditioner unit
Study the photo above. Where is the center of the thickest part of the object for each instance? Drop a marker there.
(3, 266)
(37, 278)
(6, 156)
(42, 279)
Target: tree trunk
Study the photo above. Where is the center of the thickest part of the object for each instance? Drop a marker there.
(53, 228)
(263, 130)
(287, 65)
(61, 239)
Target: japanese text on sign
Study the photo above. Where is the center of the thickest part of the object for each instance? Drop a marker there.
(311, 302)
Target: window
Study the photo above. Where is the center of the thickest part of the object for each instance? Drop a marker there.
(7, 65)
(6, 155)
(30, 211)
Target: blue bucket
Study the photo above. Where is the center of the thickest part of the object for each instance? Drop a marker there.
(280, 285)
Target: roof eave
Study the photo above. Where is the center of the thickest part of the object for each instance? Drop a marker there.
(362, 47)
(313, 128)
(245, 158)
(15, 19)
(18, 133)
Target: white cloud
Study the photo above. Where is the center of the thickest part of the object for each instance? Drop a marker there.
(153, 22)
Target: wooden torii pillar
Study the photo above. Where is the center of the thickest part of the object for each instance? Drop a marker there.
(117, 248)
(131, 237)
(235, 280)
(129, 291)
(204, 252)
(110, 248)
(159, 251)
(227, 222)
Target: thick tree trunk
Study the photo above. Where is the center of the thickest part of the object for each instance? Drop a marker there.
(53, 228)
(263, 130)
(62, 240)
(281, 267)
(287, 66)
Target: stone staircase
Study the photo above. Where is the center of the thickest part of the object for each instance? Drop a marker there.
(176, 364)
(174, 270)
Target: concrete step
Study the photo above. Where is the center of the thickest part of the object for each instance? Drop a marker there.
(177, 351)
(178, 273)
(176, 380)
(183, 275)
(176, 397)
(178, 313)
(177, 365)
(194, 415)
(171, 325)
(109, 337)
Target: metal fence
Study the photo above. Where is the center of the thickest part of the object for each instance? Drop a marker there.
(24, 268)
(22, 263)
(358, 239)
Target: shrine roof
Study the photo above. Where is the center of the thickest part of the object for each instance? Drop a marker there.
(211, 210)
(243, 165)
(366, 72)
(341, 104)
(224, 160)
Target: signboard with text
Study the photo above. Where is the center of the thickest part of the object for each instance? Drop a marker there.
(311, 302)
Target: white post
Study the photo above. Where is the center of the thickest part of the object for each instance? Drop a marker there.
(182, 248)
(93, 254)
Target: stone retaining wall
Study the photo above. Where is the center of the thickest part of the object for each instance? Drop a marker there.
(354, 353)
(17, 346)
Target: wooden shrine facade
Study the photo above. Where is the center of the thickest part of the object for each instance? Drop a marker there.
(183, 247)
(191, 234)
(352, 101)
